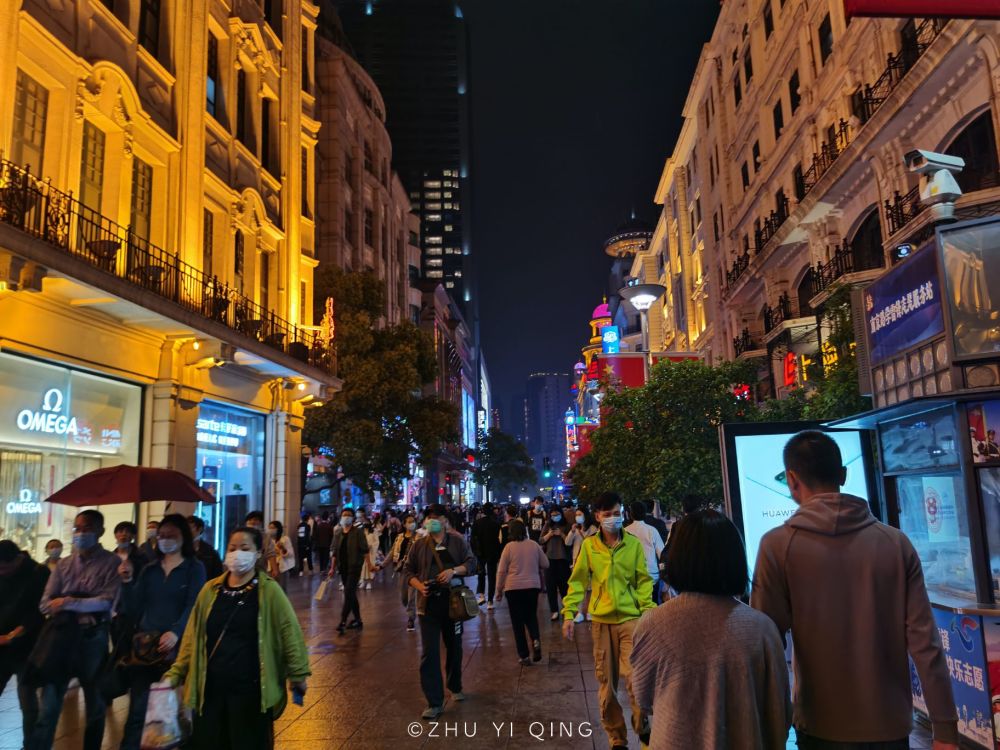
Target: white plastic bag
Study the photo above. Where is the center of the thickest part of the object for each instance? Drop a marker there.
(162, 730)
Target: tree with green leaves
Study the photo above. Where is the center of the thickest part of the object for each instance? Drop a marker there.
(379, 419)
(661, 441)
(503, 464)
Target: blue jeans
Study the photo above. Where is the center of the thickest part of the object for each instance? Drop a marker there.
(90, 658)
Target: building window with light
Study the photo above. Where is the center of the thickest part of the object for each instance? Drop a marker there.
(207, 249)
(141, 212)
(212, 83)
(239, 252)
(31, 103)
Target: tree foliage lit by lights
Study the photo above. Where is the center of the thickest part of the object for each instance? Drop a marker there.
(661, 441)
(379, 420)
(503, 464)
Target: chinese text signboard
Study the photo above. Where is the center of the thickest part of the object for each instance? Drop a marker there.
(963, 642)
(903, 307)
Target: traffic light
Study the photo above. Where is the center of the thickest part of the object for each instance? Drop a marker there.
(547, 468)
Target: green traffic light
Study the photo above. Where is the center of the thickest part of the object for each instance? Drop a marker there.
(548, 474)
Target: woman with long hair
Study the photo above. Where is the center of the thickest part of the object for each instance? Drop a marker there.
(242, 644)
(158, 600)
(519, 576)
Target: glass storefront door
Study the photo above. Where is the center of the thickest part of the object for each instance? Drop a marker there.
(55, 425)
(230, 465)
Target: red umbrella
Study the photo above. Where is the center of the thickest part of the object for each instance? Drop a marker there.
(130, 484)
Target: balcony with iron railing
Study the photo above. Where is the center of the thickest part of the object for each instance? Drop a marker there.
(739, 267)
(745, 343)
(845, 260)
(841, 135)
(784, 309)
(39, 210)
(771, 224)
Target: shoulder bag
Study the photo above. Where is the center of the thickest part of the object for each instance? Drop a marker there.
(462, 604)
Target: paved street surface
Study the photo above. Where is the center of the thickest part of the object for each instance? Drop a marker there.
(365, 691)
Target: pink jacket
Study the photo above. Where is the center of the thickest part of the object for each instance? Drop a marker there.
(521, 566)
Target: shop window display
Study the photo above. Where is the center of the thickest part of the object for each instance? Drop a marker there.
(230, 465)
(55, 425)
(972, 280)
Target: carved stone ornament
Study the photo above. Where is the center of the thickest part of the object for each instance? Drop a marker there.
(87, 90)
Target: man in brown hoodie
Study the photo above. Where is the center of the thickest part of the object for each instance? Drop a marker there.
(852, 592)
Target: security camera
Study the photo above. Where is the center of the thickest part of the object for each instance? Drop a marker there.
(938, 188)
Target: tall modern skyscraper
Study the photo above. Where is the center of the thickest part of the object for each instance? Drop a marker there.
(547, 397)
(417, 53)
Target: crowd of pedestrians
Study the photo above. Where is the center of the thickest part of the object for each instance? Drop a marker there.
(701, 653)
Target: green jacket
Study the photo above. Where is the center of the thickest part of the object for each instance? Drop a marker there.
(622, 588)
(283, 654)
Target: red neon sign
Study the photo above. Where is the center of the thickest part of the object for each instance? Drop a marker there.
(923, 8)
(791, 370)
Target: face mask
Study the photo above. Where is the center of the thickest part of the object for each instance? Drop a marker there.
(347, 522)
(580, 520)
(151, 535)
(124, 545)
(168, 546)
(612, 523)
(83, 540)
(272, 532)
(556, 518)
(54, 553)
(241, 561)
(433, 525)
(411, 526)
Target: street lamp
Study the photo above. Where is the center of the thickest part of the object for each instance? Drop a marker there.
(642, 297)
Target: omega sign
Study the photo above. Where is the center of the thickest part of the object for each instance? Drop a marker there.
(50, 420)
(24, 504)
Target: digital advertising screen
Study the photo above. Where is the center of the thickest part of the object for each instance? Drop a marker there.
(758, 497)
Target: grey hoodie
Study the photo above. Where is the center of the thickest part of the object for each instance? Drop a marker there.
(852, 592)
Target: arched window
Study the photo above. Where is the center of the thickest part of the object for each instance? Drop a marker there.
(866, 245)
(977, 144)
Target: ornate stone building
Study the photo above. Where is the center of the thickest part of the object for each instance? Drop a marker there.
(157, 247)
(788, 176)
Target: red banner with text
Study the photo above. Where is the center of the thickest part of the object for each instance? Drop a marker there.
(923, 8)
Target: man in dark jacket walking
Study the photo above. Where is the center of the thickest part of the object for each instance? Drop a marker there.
(22, 581)
(304, 543)
(347, 554)
(851, 590)
(485, 540)
(435, 564)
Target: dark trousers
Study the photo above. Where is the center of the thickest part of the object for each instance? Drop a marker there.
(91, 653)
(305, 557)
(323, 558)
(814, 743)
(487, 576)
(523, 606)
(351, 604)
(232, 722)
(138, 698)
(556, 582)
(435, 627)
(26, 696)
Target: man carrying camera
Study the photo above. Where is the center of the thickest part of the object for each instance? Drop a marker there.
(434, 564)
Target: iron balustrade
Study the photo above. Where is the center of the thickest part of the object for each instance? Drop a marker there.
(57, 218)
(740, 265)
(783, 310)
(844, 260)
(745, 342)
(903, 209)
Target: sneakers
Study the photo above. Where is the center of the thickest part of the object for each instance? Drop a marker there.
(536, 647)
(579, 617)
(341, 628)
(368, 586)
(458, 697)
(489, 606)
(410, 627)
(524, 661)
(355, 625)
(432, 712)
(555, 616)
(481, 600)
(341, 587)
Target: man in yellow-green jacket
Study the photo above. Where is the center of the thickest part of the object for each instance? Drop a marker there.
(613, 564)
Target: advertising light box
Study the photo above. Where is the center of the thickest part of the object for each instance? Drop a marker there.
(757, 494)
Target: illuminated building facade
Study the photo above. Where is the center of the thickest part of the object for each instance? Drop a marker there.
(157, 247)
(788, 180)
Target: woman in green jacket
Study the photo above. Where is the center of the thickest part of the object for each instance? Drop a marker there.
(241, 643)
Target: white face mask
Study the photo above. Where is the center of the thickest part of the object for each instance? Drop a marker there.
(612, 524)
(168, 546)
(241, 561)
(580, 520)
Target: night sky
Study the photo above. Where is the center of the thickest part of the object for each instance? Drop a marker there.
(576, 105)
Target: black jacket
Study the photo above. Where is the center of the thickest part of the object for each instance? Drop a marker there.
(357, 549)
(206, 553)
(485, 539)
(22, 592)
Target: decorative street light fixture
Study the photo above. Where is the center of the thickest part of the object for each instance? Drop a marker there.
(642, 297)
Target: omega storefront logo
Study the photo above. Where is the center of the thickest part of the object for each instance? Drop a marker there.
(24, 504)
(50, 420)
